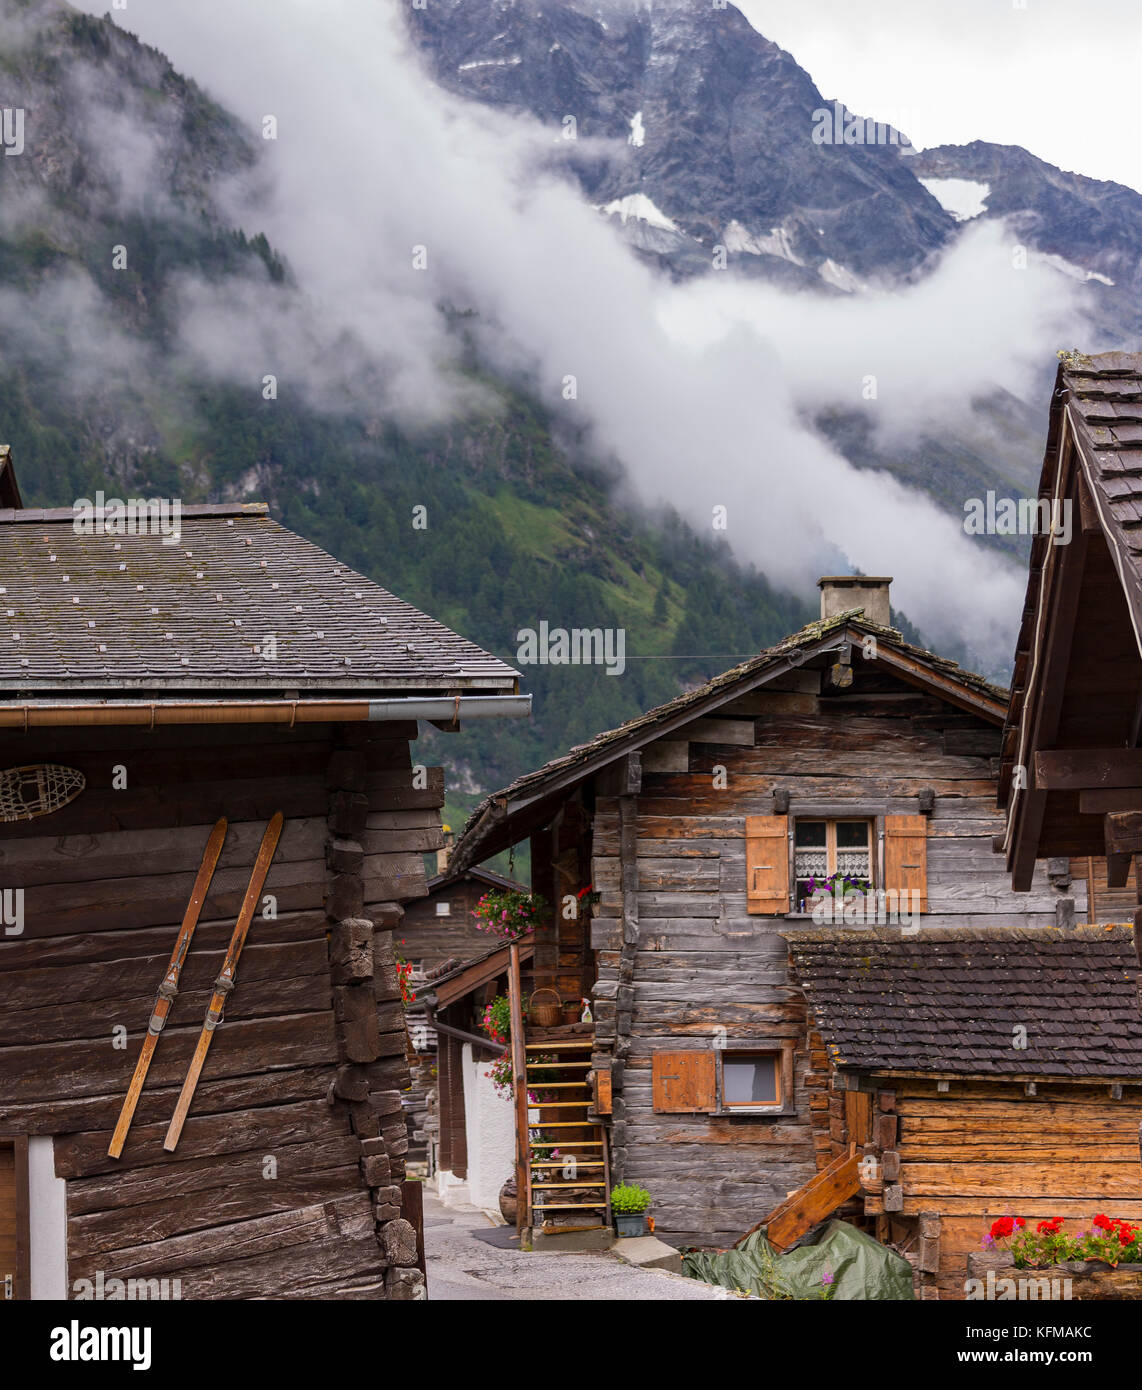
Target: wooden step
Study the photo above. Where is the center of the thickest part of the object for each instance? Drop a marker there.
(558, 1046)
(559, 1230)
(566, 1186)
(558, 1104)
(579, 1143)
(567, 1206)
(561, 1162)
(557, 1066)
(819, 1197)
(561, 1124)
(560, 1085)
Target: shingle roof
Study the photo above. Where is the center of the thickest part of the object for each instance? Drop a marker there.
(1104, 402)
(82, 612)
(1101, 397)
(790, 651)
(949, 1001)
(482, 875)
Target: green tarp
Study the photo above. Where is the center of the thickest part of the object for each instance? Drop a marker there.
(842, 1263)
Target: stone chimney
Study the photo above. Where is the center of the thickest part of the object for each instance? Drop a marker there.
(445, 852)
(841, 593)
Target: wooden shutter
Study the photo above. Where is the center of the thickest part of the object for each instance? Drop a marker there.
(602, 1090)
(767, 863)
(684, 1081)
(906, 858)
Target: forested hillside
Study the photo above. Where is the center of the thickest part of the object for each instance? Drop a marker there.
(520, 528)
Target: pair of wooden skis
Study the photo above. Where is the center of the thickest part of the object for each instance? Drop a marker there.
(168, 989)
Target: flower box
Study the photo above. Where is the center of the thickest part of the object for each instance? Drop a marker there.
(993, 1275)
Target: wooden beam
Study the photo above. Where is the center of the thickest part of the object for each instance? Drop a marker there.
(1123, 832)
(1119, 799)
(810, 1204)
(473, 1039)
(1055, 621)
(23, 1271)
(519, 1086)
(1117, 870)
(448, 991)
(1081, 769)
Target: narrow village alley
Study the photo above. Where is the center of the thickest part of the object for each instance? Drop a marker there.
(469, 1258)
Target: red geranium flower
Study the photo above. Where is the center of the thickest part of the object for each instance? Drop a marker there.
(1104, 1223)
(1002, 1228)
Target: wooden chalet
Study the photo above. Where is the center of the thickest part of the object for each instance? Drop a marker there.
(1071, 776)
(437, 933)
(702, 826)
(440, 926)
(966, 1075)
(475, 1130)
(148, 689)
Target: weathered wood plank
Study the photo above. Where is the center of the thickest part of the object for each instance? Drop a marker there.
(205, 1136)
(170, 1201)
(54, 1071)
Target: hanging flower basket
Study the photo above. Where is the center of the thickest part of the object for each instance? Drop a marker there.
(508, 915)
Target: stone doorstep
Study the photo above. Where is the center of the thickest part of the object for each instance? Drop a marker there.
(648, 1252)
(568, 1242)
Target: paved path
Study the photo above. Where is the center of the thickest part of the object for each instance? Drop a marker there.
(462, 1265)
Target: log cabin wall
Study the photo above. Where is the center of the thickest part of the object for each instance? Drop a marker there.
(684, 965)
(431, 938)
(984, 1149)
(428, 939)
(1096, 902)
(286, 1180)
(560, 869)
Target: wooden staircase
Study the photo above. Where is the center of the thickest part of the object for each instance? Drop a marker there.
(820, 1197)
(556, 1075)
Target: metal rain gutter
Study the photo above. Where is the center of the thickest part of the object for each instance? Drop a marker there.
(447, 709)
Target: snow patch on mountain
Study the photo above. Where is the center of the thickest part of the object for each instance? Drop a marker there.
(839, 276)
(511, 62)
(639, 207)
(963, 198)
(776, 242)
(637, 136)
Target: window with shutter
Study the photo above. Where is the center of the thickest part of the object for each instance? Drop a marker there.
(906, 859)
(831, 856)
(684, 1082)
(767, 863)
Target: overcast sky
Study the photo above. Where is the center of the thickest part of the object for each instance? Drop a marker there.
(1058, 78)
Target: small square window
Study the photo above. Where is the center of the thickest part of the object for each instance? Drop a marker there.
(444, 909)
(751, 1079)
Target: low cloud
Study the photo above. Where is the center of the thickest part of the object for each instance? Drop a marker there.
(700, 391)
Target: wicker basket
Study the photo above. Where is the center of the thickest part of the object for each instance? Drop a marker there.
(545, 1015)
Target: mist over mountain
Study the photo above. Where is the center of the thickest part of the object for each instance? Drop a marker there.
(702, 140)
(460, 308)
(120, 379)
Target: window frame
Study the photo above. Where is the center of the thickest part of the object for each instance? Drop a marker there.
(783, 1051)
(875, 816)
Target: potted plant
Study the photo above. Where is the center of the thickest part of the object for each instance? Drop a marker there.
(628, 1206)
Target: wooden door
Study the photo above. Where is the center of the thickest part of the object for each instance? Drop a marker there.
(9, 1279)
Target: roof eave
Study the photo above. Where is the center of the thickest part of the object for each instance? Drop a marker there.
(471, 847)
